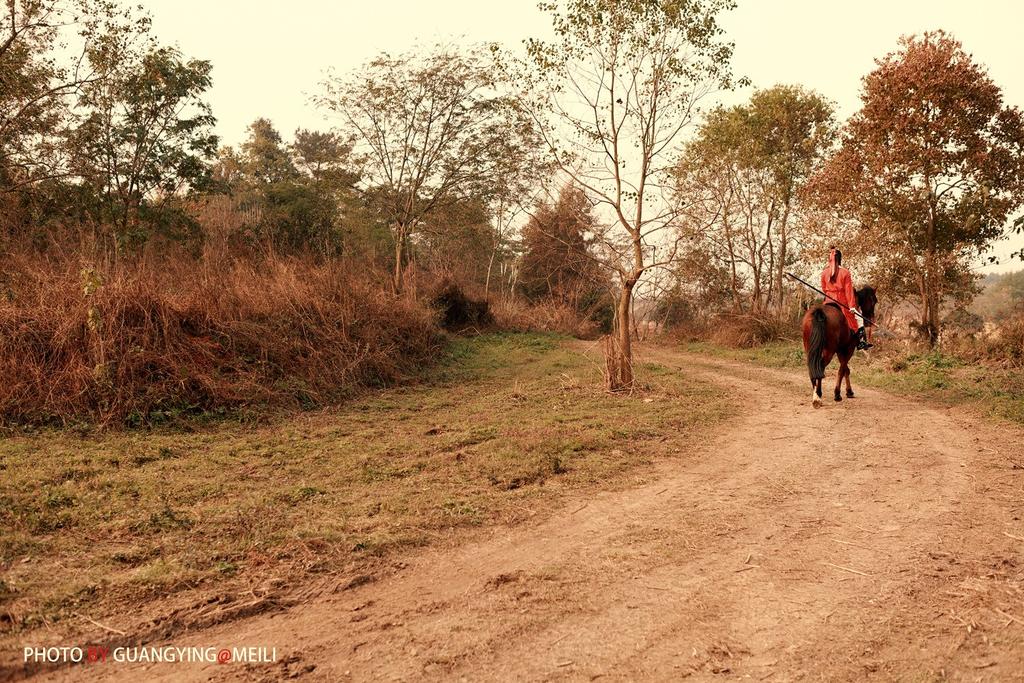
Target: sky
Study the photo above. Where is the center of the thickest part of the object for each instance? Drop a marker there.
(268, 58)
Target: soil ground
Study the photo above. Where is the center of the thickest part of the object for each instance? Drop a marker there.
(876, 538)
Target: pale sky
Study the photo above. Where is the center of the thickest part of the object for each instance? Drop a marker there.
(269, 57)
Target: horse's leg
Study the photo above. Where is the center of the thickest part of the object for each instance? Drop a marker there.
(828, 360)
(849, 389)
(816, 392)
(816, 396)
(839, 377)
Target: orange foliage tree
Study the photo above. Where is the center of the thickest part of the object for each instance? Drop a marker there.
(930, 168)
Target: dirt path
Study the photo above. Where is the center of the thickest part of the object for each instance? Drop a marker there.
(897, 554)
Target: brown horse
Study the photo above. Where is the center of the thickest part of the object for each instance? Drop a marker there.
(827, 334)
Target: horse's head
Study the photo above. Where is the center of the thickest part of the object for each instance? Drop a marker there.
(866, 300)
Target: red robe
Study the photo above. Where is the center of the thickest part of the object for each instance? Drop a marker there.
(841, 290)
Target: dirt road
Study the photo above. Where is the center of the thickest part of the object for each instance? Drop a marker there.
(875, 538)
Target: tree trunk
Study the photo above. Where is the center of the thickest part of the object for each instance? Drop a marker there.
(931, 318)
(783, 239)
(769, 266)
(933, 321)
(755, 293)
(621, 371)
(931, 302)
(734, 281)
(490, 267)
(399, 260)
(635, 321)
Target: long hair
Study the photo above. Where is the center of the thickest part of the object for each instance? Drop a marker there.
(835, 259)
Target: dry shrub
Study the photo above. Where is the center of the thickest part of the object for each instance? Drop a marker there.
(142, 340)
(458, 311)
(618, 371)
(544, 316)
(746, 331)
(1002, 345)
(1009, 344)
(689, 331)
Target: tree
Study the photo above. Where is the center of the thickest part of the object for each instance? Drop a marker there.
(740, 179)
(42, 71)
(34, 88)
(456, 240)
(930, 168)
(1018, 229)
(1002, 296)
(265, 158)
(557, 261)
(611, 96)
(699, 290)
(293, 195)
(324, 158)
(328, 173)
(147, 134)
(791, 129)
(429, 131)
(520, 175)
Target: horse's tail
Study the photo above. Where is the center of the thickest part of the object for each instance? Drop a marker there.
(815, 362)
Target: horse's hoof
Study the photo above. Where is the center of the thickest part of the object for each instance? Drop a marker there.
(816, 402)
(849, 394)
(838, 398)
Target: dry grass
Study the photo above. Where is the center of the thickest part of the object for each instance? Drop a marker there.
(1003, 345)
(737, 330)
(544, 316)
(103, 524)
(146, 340)
(746, 331)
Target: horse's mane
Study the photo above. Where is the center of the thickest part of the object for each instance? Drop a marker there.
(867, 299)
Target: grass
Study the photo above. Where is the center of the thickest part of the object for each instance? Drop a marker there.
(995, 390)
(498, 430)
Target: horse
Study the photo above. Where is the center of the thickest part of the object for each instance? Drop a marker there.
(826, 334)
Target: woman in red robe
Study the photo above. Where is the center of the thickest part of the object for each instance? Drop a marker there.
(837, 284)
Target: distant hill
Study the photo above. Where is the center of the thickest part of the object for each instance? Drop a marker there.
(1002, 295)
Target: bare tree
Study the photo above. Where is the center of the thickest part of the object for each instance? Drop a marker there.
(520, 177)
(429, 131)
(612, 95)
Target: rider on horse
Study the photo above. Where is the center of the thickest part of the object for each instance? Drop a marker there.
(838, 287)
